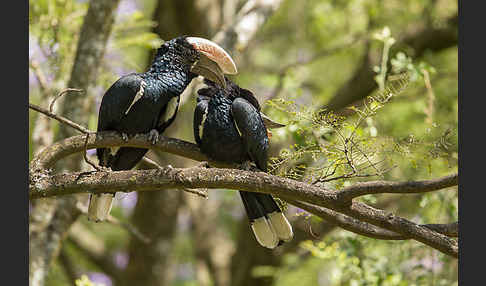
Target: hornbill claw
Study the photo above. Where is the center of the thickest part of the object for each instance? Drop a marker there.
(203, 164)
(124, 136)
(153, 136)
(246, 166)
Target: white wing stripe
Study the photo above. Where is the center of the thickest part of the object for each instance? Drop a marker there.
(201, 125)
(171, 109)
(137, 96)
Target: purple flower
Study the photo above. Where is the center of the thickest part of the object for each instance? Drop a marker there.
(126, 8)
(91, 152)
(100, 278)
(431, 263)
(127, 202)
(298, 211)
(185, 271)
(183, 221)
(120, 259)
(114, 60)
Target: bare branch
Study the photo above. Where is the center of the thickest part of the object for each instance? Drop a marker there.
(450, 229)
(202, 177)
(63, 92)
(59, 118)
(366, 229)
(409, 187)
(196, 177)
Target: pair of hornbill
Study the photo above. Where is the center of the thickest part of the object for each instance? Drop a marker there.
(228, 125)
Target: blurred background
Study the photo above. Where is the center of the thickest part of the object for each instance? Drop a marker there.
(298, 57)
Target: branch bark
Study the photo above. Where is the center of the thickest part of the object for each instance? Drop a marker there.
(198, 177)
(384, 187)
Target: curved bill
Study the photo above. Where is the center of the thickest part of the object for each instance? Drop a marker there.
(214, 61)
(269, 123)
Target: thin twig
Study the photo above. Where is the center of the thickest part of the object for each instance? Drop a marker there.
(60, 118)
(410, 187)
(200, 192)
(63, 92)
(151, 163)
(85, 155)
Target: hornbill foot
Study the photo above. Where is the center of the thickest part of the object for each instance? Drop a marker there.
(203, 164)
(153, 136)
(104, 169)
(246, 166)
(124, 136)
(83, 174)
(87, 173)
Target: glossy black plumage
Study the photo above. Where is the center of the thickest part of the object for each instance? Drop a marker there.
(140, 103)
(121, 110)
(228, 128)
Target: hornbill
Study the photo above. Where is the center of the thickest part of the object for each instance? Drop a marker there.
(148, 102)
(229, 127)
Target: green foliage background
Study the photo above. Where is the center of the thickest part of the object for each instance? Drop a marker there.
(414, 143)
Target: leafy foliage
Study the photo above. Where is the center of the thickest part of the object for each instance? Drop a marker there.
(405, 130)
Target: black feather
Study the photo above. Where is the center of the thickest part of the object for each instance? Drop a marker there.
(137, 103)
(234, 132)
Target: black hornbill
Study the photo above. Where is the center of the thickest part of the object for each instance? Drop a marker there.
(228, 127)
(148, 102)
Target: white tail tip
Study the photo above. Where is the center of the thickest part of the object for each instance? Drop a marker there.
(100, 206)
(264, 233)
(281, 225)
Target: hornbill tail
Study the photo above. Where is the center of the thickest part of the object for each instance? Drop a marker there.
(270, 226)
(100, 206)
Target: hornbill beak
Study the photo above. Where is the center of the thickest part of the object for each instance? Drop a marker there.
(269, 123)
(214, 61)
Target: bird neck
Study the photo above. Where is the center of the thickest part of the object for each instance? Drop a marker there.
(171, 73)
(218, 101)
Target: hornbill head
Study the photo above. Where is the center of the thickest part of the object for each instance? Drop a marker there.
(232, 91)
(200, 56)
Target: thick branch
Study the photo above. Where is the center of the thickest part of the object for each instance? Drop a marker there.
(75, 144)
(197, 177)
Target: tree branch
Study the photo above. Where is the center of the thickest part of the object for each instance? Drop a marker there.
(59, 118)
(366, 229)
(43, 185)
(197, 177)
(409, 187)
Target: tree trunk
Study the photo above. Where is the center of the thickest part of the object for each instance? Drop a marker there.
(50, 219)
